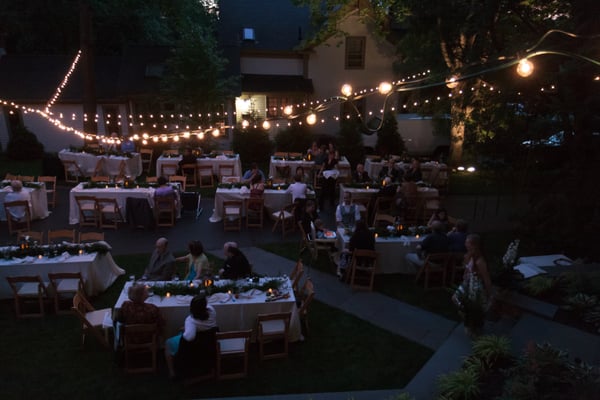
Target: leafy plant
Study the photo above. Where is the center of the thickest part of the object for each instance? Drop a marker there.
(540, 285)
(580, 302)
(491, 348)
(461, 384)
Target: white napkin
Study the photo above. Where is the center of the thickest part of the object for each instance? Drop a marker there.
(219, 298)
(244, 190)
(183, 299)
(251, 293)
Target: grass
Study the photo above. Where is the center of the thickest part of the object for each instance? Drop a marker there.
(42, 358)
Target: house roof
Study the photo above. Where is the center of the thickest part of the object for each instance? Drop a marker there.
(276, 83)
(34, 78)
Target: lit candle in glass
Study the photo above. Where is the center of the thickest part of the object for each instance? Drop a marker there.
(168, 294)
(80, 251)
(417, 236)
(39, 256)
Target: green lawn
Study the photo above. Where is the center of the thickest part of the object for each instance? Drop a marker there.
(42, 358)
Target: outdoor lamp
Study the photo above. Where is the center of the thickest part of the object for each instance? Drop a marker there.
(452, 82)
(384, 88)
(346, 90)
(525, 68)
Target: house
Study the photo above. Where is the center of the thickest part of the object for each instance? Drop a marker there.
(266, 43)
(123, 86)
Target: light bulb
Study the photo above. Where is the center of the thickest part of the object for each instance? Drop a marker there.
(245, 124)
(384, 87)
(452, 82)
(215, 132)
(311, 119)
(266, 125)
(525, 68)
(346, 90)
(287, 110)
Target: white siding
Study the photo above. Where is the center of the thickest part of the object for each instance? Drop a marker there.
(271, 66)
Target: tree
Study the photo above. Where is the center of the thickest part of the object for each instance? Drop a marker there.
(389, 140)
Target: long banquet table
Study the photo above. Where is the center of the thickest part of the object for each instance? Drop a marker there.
(424, 192)
(275, 162)
(215, 162)
(87, 162)
(428, 169)
(39, 202)
(275, 199)
(233, 314)
(99, 271)
(112, 191)
(391, 252)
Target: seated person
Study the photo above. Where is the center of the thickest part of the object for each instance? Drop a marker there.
(362, 238)
(137, 311)
(346, 213)
(303, 175)
(390, 171)
(202, 318)
(196, 260)
(457, 237)
(162, 263)
(435, 242)
(298, 189)
(413, 173)
(127, 145)
(188, 158)
(440, 215)
(360, 175)
(18, 194)
(320, 156)
(236, 264)
(308, 215)
(257, 186)
(251, 173)
(164, 189)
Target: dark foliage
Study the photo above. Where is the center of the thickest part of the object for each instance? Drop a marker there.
(24, 145)
(296, 138)
(253, 145)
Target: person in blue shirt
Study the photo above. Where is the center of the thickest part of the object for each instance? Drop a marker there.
(251, 173)
(127, 145)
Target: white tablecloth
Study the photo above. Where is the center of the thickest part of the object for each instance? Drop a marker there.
(424, 192)
(99, 271)
(214, 162)
(536, 265)
(39, 202)
(428, 169)
(232, 314)
(87, 162)
(119, 194)
(390, 250)
(307, 165)
(274, 200)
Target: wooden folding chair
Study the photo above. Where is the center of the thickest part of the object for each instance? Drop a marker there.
(435, 264)
(88, 213)
(32, 235)
(205, 176)
(72, 171)
(164, 211)
(146, 156)
(92, 320)
(26, 289)
(140, 339)
(286, 218)
(168, 168)
(232, 215)
(296, 275)
(306, 295)
(231, 347)
(273, 328)
(109, 213)
(255, 212)
(226, 170)
(362, 269)
(85, 237)
(178, 179)
(65, 283)
(190, 173)
(15, 224)
(59, 235)
(50, 183)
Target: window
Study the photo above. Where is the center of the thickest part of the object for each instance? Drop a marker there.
(275, 106)
(355, 52)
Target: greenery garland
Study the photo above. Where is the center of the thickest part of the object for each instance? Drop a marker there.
(99, 151)
(32, 185)
(32, 249)
(235, 287)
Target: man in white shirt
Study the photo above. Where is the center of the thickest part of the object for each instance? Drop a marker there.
(346, 214)
(17, 194)
(297, 189)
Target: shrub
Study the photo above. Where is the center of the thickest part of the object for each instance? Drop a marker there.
(461, 384)
(296, 138)
(24, 145)
(350, 142)
(253, 145)
(389, 140)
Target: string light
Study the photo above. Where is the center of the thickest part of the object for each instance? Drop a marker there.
(64, 83)
(525, 68)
